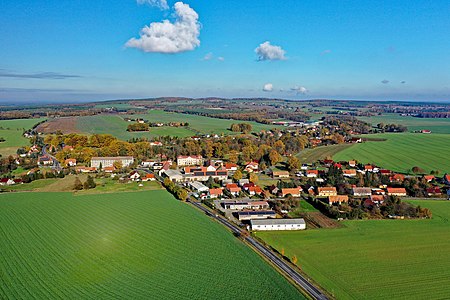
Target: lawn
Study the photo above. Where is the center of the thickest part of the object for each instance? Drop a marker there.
(125, 246)
(199, 123)
(402, 151)
(314, 154)
(438, 125)
(11, 131)
(117, 126)
(377, 259)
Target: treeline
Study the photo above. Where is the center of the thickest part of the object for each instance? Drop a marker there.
(138, 127)
(241, 127)
(391, 127)
(434, 115)
(178, 192)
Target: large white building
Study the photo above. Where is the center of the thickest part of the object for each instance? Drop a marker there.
(278, 224)
(191, 160)
(109, 161)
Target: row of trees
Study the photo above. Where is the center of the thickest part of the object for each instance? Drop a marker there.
(138, 127)
(175, 190)
(88, 184)
(241, 127)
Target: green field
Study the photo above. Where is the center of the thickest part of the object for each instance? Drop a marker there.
(115, 125)
(11, 131)
(199, 123)
(314, 154)
(125, 246)
(438, 125)
(402, 151)
(378, 259)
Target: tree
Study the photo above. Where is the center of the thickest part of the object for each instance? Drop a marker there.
(274, 157)
(293, 163)
(182, 194)
(294, 259)
(89, 184)
(237, 175)
(210, 182)
(254, 178)
(117, 165)
(77, 185)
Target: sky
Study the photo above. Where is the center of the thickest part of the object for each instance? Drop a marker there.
(79, 51)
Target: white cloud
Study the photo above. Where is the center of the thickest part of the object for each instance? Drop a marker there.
(162, 4)
(299, 90)
(325, 52)
(208, 56)
(170, 37)
(268, 87)
(220, 58)
(266, 51)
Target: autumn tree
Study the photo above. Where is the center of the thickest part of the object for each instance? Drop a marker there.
(89, 184)
(274, 157)
(253, 178)
(237, 175)
(77, 185)
(294, 259)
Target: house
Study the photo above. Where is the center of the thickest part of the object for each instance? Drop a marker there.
(70, 162)
(273, 189)
(147, 163)
(109, 169)
(7, 181)
(397, 178)
(278, 224)
(378, 191)
(85, 169)
(326, 191)
(251, 205)
(362, 191)
(156, 144)
(203, 173)
(149, 177)
(385, 172)
(349, 173)
(190, 160)
(134, 176)
(294, 192)
(429, 178)
(214, 193)
(377, 199)
(425, 131)
(198, 187)
(252, 167)
(242, 182)
(433, 191)
(356, 140)
(125, 161)
(173, 175)
(231, 167)
(352, 163)
(312, 173)
(254, 190)
(400, 192)
(339, 199)
(280, 174)
(45, 160)
(368, 168)
(251, 215)
(446, 179)
(233, 189)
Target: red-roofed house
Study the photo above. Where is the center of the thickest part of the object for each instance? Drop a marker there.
(252, 167)
(312, 173)
(429, 178)
(214, 193)
(233, 189)
(400, 192)
(295, 192)
(397, 178)
(447, 179)
(254, 190)
(149, 177)
(434, 191)
(231, 167)
(352, 163)
(70, 162)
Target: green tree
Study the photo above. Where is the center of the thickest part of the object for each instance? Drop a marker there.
(90, 183)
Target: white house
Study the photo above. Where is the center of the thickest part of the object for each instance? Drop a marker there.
(109, 161)
(278, 224)
(191, 160)
(199, 187)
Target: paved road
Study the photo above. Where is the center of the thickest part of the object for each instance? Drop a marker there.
(314, 292)
(56, 165)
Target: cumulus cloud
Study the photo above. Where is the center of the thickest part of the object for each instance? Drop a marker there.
(299, 90)
(266, 51)
(162, 4)
(170, 37)
(208, 56)
(385, 81)
(220, 58)
(268, 87)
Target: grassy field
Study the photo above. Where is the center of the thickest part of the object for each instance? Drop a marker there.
(379, 259)
(435, 125)
(125, 246)
(319, 153)
(199, 123)
(115, 125)
(11, 131)
(401, 152)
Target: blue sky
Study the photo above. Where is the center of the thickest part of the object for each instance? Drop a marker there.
(84, 50)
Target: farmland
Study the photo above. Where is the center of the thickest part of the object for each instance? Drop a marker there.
(11, 131)
(125, 245)
(401, 152)
(436, 125)
(314, 154)
(377, 259)
(199, 123)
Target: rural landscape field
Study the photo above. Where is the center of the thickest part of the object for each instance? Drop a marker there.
(126, 245)
(12, 132)
(380, 259)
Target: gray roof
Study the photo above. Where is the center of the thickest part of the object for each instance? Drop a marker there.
(172, 173)
(278, 222)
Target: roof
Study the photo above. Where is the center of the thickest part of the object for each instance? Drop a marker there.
(259, 212)
(191, 156)
(327, 189)
(278, 222)
(215, 191)
(312, 171)
(348, 172)
(362, 190)
(291, 190)
(338, 198)
(280, 173)
(112, 158)
(396, 190)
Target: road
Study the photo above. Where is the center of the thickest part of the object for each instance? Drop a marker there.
(293, 274)
(56, 165)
